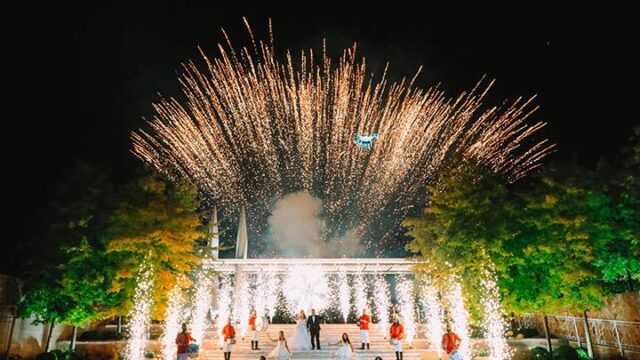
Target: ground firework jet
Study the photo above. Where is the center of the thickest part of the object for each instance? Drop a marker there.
(253, 128)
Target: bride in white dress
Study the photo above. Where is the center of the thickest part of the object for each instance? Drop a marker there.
(281, 351)
(301, 340)
(345, 351)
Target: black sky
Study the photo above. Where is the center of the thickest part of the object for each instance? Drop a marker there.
(83, 76)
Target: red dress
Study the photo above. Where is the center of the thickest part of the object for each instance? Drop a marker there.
(252, 323)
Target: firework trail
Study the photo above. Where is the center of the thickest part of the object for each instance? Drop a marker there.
(254, 127)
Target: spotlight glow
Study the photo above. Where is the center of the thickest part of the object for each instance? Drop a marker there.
(305, 288)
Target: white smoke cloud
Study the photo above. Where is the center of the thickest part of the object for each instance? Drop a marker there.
(296, 227)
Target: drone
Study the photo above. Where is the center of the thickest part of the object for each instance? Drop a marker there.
(365, 142)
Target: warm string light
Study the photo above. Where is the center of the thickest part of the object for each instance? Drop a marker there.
(404, 291)
(254, 128)
(172, 323)
(459, 317)
(139, 314)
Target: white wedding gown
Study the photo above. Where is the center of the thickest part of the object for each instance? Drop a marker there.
(301, 340)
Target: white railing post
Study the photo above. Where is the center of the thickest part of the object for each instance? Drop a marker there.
(587, 334)
(575, 328)
(615, 328)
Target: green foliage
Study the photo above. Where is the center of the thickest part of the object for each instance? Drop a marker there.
(583, 354)
(63, 355)
(66, 281)
(552, 243)
(45, 303)
(565, 352)
(95, 238)
(619, 249)
(540, 353)
(550, 263)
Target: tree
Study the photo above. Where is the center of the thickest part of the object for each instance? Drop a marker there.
(550, 267)
(70, 219)
(619, 251)
(463, 229)
(47, 305)
(538, 240)
(154, 221)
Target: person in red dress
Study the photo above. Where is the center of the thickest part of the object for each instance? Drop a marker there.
(228, 335)
(364, 321)
(183, 339)
(450, 341)
(396, 333)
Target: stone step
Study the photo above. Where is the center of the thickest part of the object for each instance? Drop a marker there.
(314, 355)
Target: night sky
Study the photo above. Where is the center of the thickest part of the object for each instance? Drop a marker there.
(83, 76)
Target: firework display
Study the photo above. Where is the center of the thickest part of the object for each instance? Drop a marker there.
(254, 127)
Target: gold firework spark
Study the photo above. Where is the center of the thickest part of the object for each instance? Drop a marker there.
(254, 127)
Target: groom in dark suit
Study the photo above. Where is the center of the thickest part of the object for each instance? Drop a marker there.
(313, 324)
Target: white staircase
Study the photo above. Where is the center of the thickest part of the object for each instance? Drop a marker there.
(330, 333)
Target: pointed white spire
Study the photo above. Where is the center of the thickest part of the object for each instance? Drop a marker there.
(242, 241)
(214, 236)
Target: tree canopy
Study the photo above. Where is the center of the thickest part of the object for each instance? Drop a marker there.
(559, 242)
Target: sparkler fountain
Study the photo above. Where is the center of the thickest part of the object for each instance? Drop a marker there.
(202, 303)
(253, 128)
(224, 303)
(359, 293)
(172, 322)
(434, 316)
(494, 322)
(140, 314)
(404, 290)
(343, 294)
(381, 302)
(459, 318)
